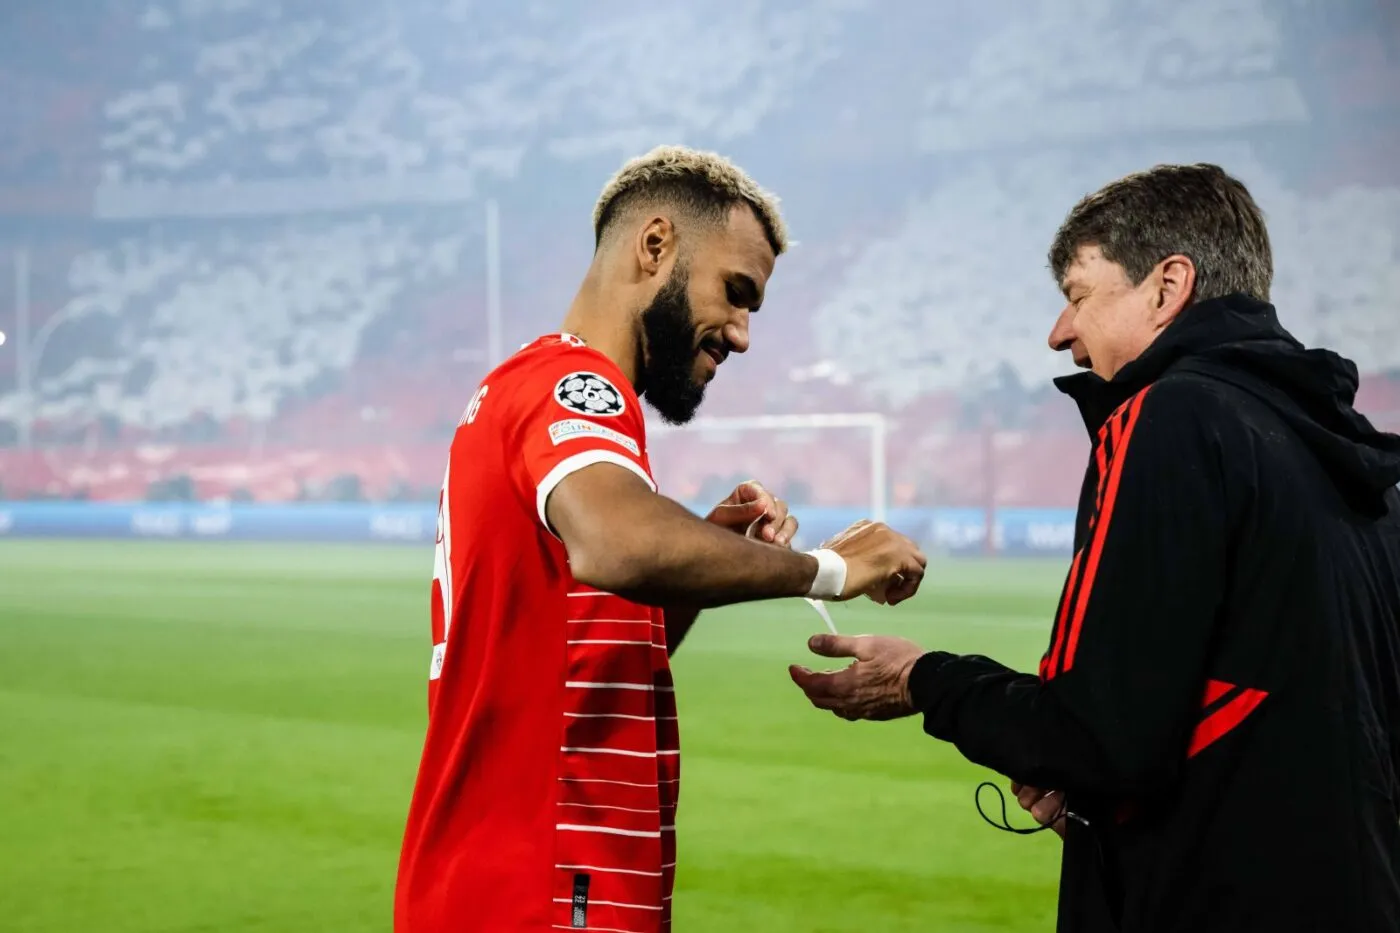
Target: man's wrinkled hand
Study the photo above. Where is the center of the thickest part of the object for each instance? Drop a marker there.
(754, 511)
(1047, 806)
(875, 686)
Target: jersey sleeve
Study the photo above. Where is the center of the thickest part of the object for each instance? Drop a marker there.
(572, 411)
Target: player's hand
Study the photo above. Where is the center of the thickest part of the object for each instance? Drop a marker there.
(876, 686)
(1047, 806)
(754, 511)
(880, 562)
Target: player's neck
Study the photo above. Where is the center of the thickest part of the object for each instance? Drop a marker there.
(594, 318)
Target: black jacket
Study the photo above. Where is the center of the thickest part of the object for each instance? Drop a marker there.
(1220, 699)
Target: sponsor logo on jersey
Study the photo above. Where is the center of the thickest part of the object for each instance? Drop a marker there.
(574, 428)
(589, 394)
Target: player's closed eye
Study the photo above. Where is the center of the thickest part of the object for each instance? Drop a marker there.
(742, 292)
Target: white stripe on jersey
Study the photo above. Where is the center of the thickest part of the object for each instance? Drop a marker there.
(611, 871)
(613, 621)
(602, 806)
(608, 751)
(576, 828)
(619, 716)
(610, 641)
(569, 780)
(591, 902)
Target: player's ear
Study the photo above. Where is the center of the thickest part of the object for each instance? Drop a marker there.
(656, 241)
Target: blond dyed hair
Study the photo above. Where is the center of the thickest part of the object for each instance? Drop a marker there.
(705, 184)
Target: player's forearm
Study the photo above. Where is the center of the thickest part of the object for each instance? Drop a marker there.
(661, 554)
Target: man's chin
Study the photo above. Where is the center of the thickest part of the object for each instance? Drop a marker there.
(677, 411)
(674, 417)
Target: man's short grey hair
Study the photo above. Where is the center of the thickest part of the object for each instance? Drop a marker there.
(1194, 210)
(703, 184)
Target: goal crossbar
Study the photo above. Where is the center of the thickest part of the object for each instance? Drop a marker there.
(874, 422)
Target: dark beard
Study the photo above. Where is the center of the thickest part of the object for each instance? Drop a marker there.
(668, 372)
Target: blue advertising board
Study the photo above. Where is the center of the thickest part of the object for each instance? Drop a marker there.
(946, 530)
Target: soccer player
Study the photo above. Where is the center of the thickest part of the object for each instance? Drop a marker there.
(546, 794)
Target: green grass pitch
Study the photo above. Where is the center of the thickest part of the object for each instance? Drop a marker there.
(222, 737)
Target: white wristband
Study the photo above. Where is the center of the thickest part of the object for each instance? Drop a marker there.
(831, 575)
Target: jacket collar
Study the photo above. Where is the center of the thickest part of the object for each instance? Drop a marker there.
(1201, 327)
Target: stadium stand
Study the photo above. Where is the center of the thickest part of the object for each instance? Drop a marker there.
(222, 322)
(323, 343)
(295, 90)
(968, 260)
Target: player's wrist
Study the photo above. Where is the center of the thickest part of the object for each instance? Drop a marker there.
(829, 581)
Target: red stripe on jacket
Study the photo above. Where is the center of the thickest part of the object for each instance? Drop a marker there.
(1221, 722)
(1114, 438)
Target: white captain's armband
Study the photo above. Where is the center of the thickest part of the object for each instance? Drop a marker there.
(578, 429)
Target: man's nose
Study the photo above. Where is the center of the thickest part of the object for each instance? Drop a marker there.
(736, 332)
(1062, 334)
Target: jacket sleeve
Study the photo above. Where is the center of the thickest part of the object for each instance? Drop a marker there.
(1121, 684)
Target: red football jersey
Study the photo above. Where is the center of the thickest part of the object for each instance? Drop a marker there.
(546, 795)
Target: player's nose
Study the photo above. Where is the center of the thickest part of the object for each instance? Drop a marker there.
(1062, 335)
(736, 333)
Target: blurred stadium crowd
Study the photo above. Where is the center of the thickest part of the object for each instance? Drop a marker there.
(247, 238)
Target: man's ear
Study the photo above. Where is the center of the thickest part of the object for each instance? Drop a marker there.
(656, 242)
(1175, 279)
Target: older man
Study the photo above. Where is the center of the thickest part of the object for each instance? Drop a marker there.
(1219, 703)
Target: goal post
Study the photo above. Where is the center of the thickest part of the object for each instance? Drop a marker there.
(758, 430)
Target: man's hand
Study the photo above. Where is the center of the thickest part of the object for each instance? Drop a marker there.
(752, 510)
(749, 510)
(875, 687)
(1044, 805)
(880, 563)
